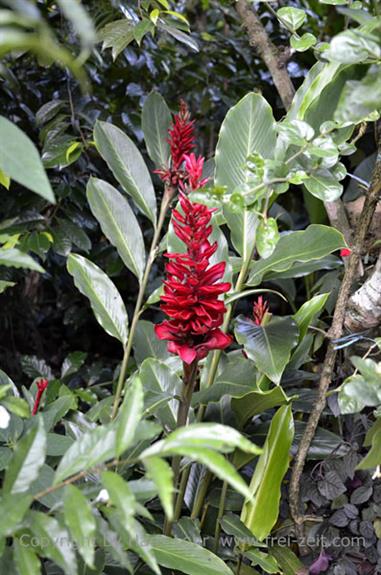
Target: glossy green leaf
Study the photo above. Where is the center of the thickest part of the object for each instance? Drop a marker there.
(127, 164)
(118, 223)
(120, 495)
(105, 300)
(304, 42)
(243, 227)
(265, 561)
(373, 458)
(130, 413)
(324, 185)
(257, 402)
(248, 127)
(360, 99)
(13, 507)
(20, 160)
(146, 344)
(93, 448)
(187, 557)
(156, 120)
(27, 460)
(80, 522)
(161, 386)
(15, 258)
(161, 474)
(313, 243)
(269, 345)
(308, 312)
(287, 560)
(363, 389)
(117, 35)
(354, 46)
(267, 237)
(292, 17)
(25, 559)
(56, 542)
(261, 512)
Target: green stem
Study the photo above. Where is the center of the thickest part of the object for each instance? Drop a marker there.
(189, 381)
(248, 256)
(168, 195)
(221, 509)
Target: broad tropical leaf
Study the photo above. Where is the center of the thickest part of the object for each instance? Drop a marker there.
(156, 120)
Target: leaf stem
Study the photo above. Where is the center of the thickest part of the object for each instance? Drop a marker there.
(167, 198)
(221, 509)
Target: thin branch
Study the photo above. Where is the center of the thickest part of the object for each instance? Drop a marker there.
(335, 332)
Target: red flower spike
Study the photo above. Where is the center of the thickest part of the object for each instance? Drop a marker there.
(181, 141)
(192, 288)
(260, 309)
(41, 386)
(193, 169)
(345, 252)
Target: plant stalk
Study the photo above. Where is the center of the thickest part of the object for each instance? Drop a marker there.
(167, 198)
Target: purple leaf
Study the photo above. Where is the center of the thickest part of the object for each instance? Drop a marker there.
(321, 564)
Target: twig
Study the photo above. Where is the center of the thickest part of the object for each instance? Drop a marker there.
(334, 333)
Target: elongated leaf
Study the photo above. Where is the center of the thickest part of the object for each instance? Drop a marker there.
(313, 243)
(56, 542)
(92, 448)
(120, 495)
(156, 120)
(263, 560)
(15, 258)
(308, 311)
(118, 223)
(26, 560)
(261, 512)
(13, 507)
(269, 345)
(28, 458)
(127, 164)
(105, 300)
(161, 474)
(20, 160)
(373, 458)
(206, 435)
(161, 384)
(129, 416)
(287, 560)
(248, 127)
(243, 227)
(187, 557)
(81, 522)
(257, 402)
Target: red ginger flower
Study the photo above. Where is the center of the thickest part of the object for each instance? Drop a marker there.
(260, 309)
(41, 386)
(193, 168)
(192, 289)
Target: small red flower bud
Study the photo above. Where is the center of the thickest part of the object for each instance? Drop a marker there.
(345, 252)
(260, 309)
(42, 384)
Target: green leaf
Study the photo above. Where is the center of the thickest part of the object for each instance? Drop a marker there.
(55, 542)
(267, 237)
(25, 558)
(287, 560)
(269, 345)
(17, 406)
(80, 20)
(324, 185)
(360, 99)
(118, 223)
(161, 386)
(129, 415)
(146, 344)
(266, 562)
(261, 512)
(315, 242)
(257, 402)
(28, 458)
(373, 458)
(243, 225)
(248, 127)
(20, 160)
(93, 448)
(156, 121)
(127, 164)
(81, 522)
(105, 300)
(207, 435)
(15, 258)
(120, 495)
(292, 17)
(117, 35)
(303, 43)
(359, 391)
(354, 46)
(13, 507)
(308, 312)
(187, 557)
(5, 285)
(161, 474)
